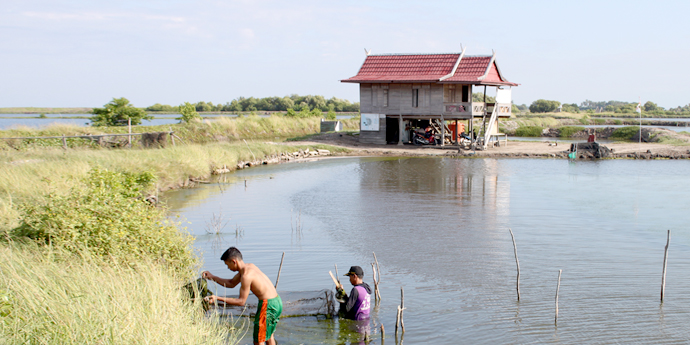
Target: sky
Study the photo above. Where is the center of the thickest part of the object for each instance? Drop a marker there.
(58, 53)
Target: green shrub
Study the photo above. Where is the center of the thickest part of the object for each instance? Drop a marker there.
(599, 121)
(568, 131)
(618, 122)
(529, 131)
(625, 133)
(109, 219)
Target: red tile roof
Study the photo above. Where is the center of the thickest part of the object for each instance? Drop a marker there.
(429, 68)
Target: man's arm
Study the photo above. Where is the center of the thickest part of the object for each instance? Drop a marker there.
(244, 293)
(229, 283)
(354, 295)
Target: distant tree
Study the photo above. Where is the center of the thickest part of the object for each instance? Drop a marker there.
(544, 106)
(161, 107)
(188, 112)
(570, 108)
(117, 112)
(203, 106)
(479, 97)
(650, 106)
(235, 106)
(331, 112)
(291, 113)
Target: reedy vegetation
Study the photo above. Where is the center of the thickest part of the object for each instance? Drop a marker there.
(98, 263)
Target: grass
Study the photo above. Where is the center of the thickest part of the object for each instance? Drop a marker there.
(27, 174)
(222, 129)
(568, 131)
(625, 133)
(51, 297)
(529, 131)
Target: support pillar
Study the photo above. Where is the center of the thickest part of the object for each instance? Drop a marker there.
(401, 128)
(443, 131)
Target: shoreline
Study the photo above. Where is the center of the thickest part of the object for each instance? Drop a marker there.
(514, 149)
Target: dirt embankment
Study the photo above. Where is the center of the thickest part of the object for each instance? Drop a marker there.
(548, 148)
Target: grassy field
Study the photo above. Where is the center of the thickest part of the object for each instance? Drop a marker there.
(51, 297)
(223, 129)
(80, 277)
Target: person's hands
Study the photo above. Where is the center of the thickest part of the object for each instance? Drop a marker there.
(211, 299)
(206, 275)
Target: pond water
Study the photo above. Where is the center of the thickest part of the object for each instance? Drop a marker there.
(11, 120)
(439, 227)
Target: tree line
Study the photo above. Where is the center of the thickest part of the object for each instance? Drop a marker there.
(295, 102)
(649, 107)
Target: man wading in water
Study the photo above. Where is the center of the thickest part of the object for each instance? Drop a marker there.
(251, 278)
(356, 306)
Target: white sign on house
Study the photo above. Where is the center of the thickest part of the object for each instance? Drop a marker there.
(369, 122)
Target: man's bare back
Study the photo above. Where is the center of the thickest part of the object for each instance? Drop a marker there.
(249, 277)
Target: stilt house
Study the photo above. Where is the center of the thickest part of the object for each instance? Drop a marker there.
(399, 92)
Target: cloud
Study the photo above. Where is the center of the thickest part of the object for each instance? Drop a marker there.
(247, 34)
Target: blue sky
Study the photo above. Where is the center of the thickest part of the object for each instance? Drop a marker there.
(83, 53)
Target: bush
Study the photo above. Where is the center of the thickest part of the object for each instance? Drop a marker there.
(188, 113)
(529, 131)
(568, 131)
(618, 122)
(599, 121)
(109, 219)
(625, 133)
(544, 106)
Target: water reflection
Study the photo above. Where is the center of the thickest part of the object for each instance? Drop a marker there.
(439, 227)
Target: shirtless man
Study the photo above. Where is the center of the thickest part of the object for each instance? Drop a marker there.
(251, 279)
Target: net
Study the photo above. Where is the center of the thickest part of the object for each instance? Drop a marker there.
(295, 303)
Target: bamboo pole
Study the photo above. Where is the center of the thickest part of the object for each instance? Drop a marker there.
(64, 142)
(129, 138)
(663, 272)
(517, 262)
(383, 333)
(377, 292)
(280, 269)
(557, 289)
(402, 308)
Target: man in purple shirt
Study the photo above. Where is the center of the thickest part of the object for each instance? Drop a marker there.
(357, 305)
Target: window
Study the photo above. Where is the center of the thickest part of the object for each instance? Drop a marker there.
(415, 98)
(385, 97)
(466, 93)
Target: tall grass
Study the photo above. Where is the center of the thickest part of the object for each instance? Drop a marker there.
(222, 129)
(28, 174)
(51, 297)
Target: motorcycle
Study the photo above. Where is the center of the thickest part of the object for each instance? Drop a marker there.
(419, 139)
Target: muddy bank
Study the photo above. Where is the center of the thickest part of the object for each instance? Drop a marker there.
(549, 148)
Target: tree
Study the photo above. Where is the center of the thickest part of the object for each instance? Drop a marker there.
(188, 112)
(117, 112)
(570, 108)
(650, 106)
(544, 106)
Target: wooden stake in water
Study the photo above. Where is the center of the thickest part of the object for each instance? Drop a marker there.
(517, 262)
(663, 272)
(383, 333)
(377, 278)
(557, 289)
(280, 269)
(402, 308)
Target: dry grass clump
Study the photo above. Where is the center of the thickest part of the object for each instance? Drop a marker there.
(52, 297)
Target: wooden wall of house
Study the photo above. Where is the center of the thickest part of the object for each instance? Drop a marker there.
(372, 137)
(397, 99)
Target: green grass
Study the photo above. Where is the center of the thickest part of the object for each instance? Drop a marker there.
(51, 297)
(529, 131)
(27, 174)
(222, 129)
(625, 133)
(568, 131)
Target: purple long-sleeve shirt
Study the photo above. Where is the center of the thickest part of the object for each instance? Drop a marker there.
(357, 305)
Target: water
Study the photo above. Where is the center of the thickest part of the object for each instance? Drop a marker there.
(673, 128)
(8, 121)
(439, 227)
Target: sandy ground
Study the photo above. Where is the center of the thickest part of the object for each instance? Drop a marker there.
(544, 148)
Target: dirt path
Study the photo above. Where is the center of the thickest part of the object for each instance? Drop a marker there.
(513, 149)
